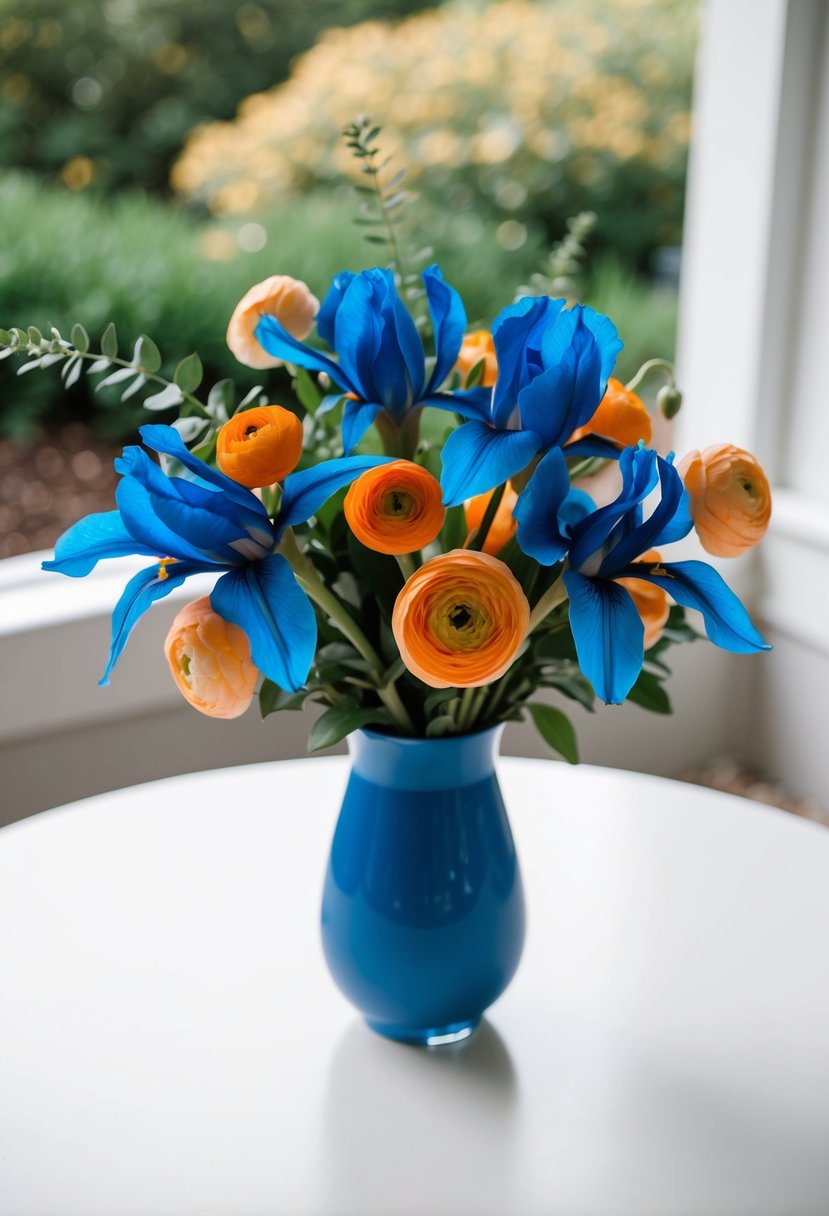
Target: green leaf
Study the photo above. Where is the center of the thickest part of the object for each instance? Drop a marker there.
(35, 336)
(307, 390)
(5, 337)
(575, 686)
(343, 718)
(109, 342)
(147, 355)
(454, 530)
(121, 373)
(437, 698)
(649, 692)
(188, 374)
(100, 365)
(556, 730)
(476, 374)
(80, 338)
(250, 399)
(220, 400)
(136, 386)
(169, 396)
(73, 372)
(272, 698)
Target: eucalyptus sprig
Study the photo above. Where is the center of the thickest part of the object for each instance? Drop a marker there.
(561, 273)
(385, 209)
(198, 421)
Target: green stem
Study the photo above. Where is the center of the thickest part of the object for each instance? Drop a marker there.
(649, 366)
(406, 563)
(479, 539)
(308, 576)
(477, 705)
(465, 710)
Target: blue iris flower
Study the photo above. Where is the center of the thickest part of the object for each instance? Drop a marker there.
(381, 361)
(601, 545)
(553, 367)
(209, 524)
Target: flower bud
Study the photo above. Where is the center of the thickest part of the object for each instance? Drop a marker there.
(669, 400)
(259, 446)
(210, 661)
(289, 300)
(729, 498)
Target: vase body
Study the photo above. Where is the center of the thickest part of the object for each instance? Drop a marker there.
(423, 909)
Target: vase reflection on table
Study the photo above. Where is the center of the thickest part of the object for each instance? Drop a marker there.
(423, 907)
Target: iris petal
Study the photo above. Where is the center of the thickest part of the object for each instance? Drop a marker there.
(609, 635)
(476, 457)
(140, 593)
(517, 334)
(327, 315)
(662, 526)
(537, 510)
(640, 476)
(90, 540)
(166, 439)
(448, 324)
(357, 418)
(697, 585)
(266, 601)
(304, 493)
(278, 342)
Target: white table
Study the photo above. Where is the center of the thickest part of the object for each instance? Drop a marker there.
(171, 1043)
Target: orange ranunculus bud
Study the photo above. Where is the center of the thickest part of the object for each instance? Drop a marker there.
(477, 346)
(395, 508)
(503, 525)
(259, 446)
(210, 661)
(621, 416)
(729, 498)
(289, 300)
(651, 601)
(460, 620)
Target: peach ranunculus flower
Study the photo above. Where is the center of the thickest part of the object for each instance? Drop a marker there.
(259, 446)
(460, 620)
(289, 300)
(210, 661)
(477, 346)
(729, 498)
(621, 416)
(503, 526)
(651, 601)
(395, 508)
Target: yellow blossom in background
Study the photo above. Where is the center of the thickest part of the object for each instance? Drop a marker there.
(545, 94)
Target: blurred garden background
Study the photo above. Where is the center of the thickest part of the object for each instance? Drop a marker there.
(158, 157)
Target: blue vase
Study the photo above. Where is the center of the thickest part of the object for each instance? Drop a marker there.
(423, 908)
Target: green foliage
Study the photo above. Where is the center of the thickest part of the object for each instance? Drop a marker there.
(104, 94)
(150, 269)
(556, 730)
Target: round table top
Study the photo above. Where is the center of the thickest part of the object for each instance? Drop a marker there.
(171, 1043)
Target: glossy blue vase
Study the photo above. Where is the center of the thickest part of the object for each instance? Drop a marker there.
(423, 908)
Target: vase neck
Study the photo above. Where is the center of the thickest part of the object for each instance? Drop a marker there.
(424, 764)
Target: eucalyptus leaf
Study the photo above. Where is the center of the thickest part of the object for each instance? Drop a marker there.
(188, 373)
(250, 399)
(556, 730)
(147, 355)
(220, 400)
(73, 370)
(169, 396)
(80, 338)
(35, 336)
(109, 342)
(116, 377)
(343, 718)
(307, 391)
(136, 386)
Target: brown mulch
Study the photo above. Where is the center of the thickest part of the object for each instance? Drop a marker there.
(49, 483)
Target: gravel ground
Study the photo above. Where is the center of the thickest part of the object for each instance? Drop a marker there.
(49, 483)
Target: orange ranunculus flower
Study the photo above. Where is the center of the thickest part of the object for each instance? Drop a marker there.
(460, 620)
(259, 446)
(289, 300)
(651, 601)
(210, 661)
(395, 508)
(503, 525)
(476, 346)
(621, 416)
(729, 498)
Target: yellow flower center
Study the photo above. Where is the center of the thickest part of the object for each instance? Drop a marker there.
(398, 504)
(460, 624)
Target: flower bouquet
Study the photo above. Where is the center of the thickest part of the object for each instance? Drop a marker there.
(410, 543)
